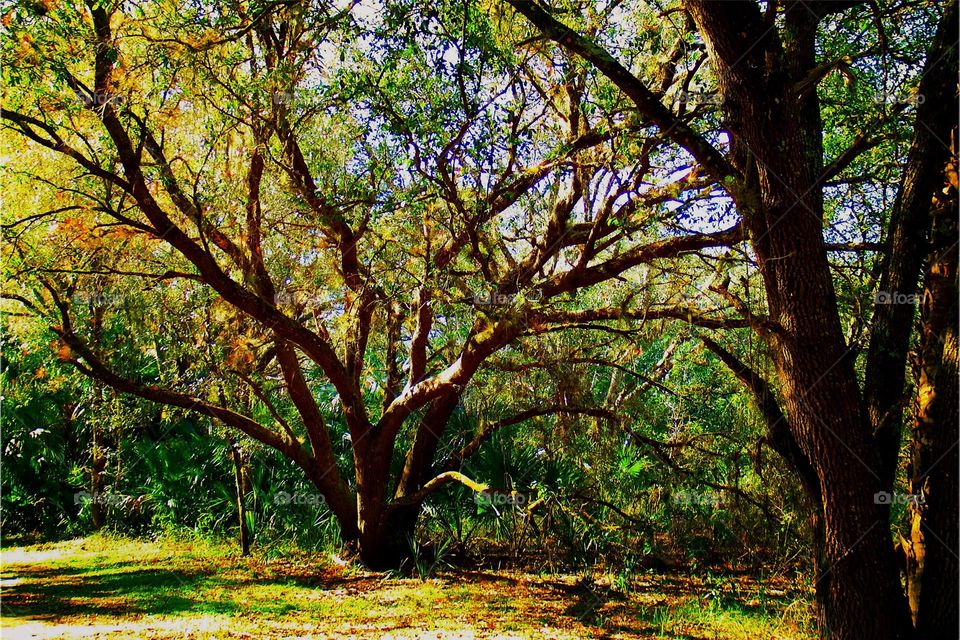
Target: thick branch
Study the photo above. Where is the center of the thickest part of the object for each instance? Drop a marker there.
(645, 100)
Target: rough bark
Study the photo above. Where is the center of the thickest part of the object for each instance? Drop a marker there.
(98, 454)
(381, 545)
(934, 543)
(907, 243)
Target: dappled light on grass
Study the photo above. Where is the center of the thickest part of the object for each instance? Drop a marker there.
(105, 587)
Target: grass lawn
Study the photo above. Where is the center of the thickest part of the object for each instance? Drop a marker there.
(107, 587)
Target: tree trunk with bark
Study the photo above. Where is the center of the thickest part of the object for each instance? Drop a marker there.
(934, 544)
(241, 478)
(382, 546)
(98, 453)
(98, 466)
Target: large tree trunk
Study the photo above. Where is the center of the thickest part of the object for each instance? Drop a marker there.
(931, 587)
(98, 453)
(383, 544)
(387, 527)
(387, 540)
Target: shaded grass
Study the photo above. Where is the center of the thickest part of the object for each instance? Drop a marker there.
(113, 587)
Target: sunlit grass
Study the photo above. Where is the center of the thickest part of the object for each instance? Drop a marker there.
(105, 586)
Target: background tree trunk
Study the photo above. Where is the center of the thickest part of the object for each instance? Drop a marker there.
(98, 465)
(932, 574)
(242, 481)
(908, 245)
(98, 453)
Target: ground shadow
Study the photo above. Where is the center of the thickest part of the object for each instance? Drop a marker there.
(47, 594)
(126, 589)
